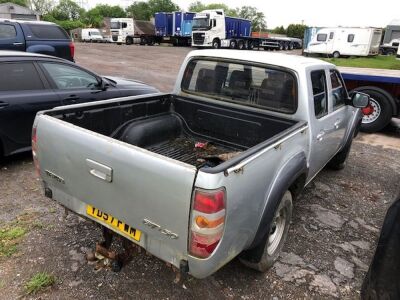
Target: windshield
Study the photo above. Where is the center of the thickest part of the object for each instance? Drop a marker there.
(201, 23)
(245, 84)
(115, 25)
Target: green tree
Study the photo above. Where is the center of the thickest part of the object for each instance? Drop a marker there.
(296, 30)
(19, 2)
(162, 5)
(198, 6)
(94, 17)
(139, 10)
(279, 30)
(41, 6)
(257, 18)
(67, 10)
(142, 10)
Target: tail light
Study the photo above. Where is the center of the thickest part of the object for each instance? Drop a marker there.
(208, 221)
(72, 49)
(34, 151)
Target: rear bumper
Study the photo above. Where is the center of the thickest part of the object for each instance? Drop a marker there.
(153, 245)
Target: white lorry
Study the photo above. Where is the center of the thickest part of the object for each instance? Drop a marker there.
(338, 41)
(129, 31)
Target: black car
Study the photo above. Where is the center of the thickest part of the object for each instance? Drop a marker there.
(383, 278)
(36, 37)
(33, 82)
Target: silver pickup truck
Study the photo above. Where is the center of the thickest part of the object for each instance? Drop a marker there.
(210, 171)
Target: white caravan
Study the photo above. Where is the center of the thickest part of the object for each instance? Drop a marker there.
(91, 35)
(337, 41)
(398, 53)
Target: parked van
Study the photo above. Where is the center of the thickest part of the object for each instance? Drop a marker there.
(338, 41)
(91, 35)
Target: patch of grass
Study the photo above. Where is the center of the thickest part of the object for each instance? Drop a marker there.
(376, 62)
(38, 282)
(9, 237)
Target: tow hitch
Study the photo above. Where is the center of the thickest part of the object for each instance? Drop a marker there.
(107, 258)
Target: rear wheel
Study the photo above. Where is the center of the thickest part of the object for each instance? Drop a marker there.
(286, 46)
(250, 45)
(232, 44)
(291, 46)
(336, 54)
(277, 235)
(281, 46)
(240, 44)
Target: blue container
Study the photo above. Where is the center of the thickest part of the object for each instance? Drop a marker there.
(236, 27)
(182, 23)
(163, 23)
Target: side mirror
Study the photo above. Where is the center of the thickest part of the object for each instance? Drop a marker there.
(360, 100)
(103, 85)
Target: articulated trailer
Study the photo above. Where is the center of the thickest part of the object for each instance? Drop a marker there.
(213, 29)
(383, 87)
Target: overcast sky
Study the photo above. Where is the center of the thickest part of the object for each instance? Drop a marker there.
(312, 12)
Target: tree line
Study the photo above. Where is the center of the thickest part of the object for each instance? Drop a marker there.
(69, 15)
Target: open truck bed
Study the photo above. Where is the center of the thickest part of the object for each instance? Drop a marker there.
(193, 132)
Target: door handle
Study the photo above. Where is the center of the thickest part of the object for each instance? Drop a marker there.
(72, 98)
(4, 104)
(320, 136)
(99, 170)
(17, 44)
(337, 124)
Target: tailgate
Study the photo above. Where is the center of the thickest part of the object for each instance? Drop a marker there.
(125, 181)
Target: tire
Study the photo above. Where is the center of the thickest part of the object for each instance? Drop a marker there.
(379, 113)
(216, 44)
(390, 52)
(240, 45)
(129, 41)
(150, 42)
(291, 46)
(250, 45)
(232, 44)
(336, 54)
(277, 236)
(286, 46)
(338, 162)
(281, 46)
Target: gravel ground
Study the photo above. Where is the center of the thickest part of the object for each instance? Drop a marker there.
(331, 241)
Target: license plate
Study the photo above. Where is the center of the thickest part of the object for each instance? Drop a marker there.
(120, 226)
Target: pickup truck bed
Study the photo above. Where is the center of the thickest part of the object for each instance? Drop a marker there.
(192, 132)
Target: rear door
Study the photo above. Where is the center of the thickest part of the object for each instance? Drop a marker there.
(76, 85)
(23, 92)
(11, 37)
(326, 122)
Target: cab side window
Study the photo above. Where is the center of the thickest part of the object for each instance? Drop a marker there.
(7, 31)
(21, 76)
(318, 81)
(338, 93)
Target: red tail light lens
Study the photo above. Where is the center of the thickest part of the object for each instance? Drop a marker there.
(72, 49)
(208, 217)
(209, 202)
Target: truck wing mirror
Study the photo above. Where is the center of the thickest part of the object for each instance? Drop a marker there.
(360, 100)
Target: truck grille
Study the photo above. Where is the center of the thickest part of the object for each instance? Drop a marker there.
(115, 38)
(198, 38)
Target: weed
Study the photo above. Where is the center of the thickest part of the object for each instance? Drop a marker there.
(38, 282)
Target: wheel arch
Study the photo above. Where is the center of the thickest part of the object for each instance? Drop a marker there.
(292, 176)
(392, 102)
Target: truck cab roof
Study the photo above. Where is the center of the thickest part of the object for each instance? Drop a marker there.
(293, 62)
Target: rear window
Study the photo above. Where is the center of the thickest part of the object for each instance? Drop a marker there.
(48, 32)
(263, 87)
(19, 76)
